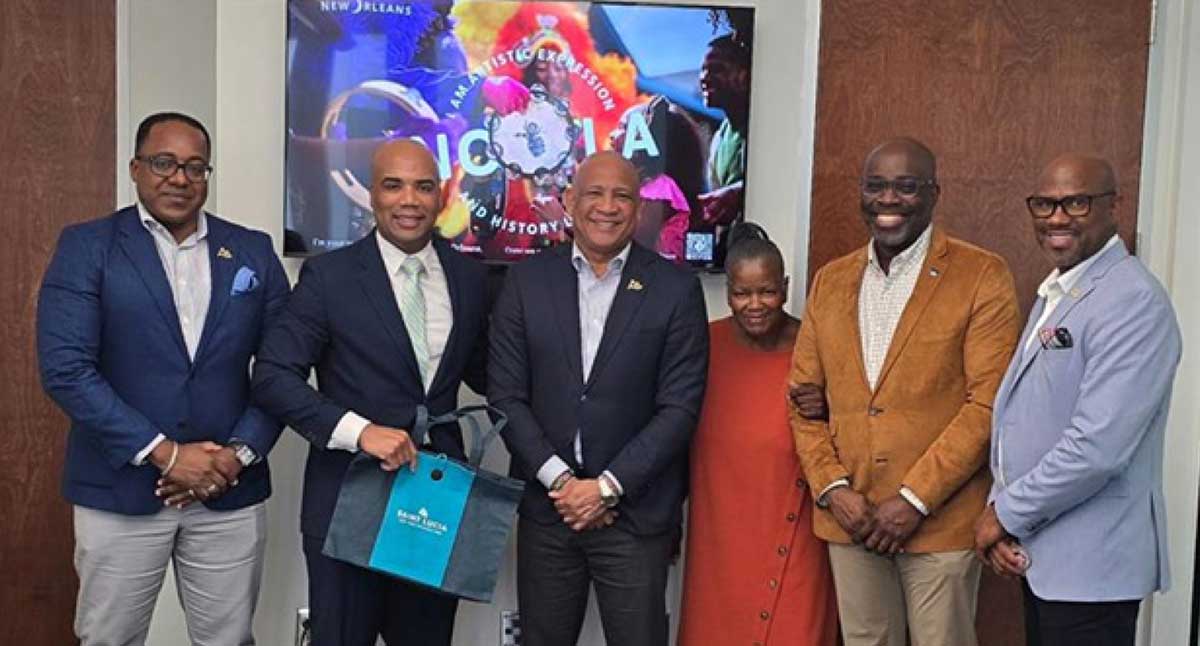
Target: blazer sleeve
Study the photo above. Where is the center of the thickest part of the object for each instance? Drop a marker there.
(962, 447)
(682, 375)
(290, 349)
(255, 427)
(1132, 356)
(508, 372)
(814, 444)
(70, 317)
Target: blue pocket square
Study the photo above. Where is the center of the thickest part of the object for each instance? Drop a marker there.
(244, 281)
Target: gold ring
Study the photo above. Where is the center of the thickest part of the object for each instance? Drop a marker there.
(212, 488)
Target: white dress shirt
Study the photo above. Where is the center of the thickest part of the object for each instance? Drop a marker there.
(1058, 285)
(186, 265)
(439, 317)
(596, 294)
(881, 302)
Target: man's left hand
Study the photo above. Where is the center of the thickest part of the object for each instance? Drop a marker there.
(178, 494)
(988, 532)
(895, 520)
(578, 502)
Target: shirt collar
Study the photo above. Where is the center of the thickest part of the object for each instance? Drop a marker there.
(394, 257)
(153, 226)
(912, 256)
(614, 266)
(1065, 282)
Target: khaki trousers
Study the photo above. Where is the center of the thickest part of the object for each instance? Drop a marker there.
(932, 595)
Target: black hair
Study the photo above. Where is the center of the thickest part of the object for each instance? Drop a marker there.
(735, 50)
(749, 241)
(143, 129)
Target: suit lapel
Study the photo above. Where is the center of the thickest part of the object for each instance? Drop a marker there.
(221, 272)
(448, 259)
(847, 317)
(1083, 286)
(1021, 357)
(138, 246)
(376, 285)
(564, 294)
(626, 302)
(927, 284)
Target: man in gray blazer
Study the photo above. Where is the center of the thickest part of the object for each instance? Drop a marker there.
(1078, 424)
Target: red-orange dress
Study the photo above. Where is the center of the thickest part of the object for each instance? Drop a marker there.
(755, 574)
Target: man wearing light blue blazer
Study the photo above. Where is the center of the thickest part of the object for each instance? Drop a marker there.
(1078, 424)
(147, 321)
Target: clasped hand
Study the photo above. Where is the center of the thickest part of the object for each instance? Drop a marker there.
(202, 471)
(579, 504)
(882, 529)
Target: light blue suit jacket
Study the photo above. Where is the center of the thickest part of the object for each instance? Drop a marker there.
(1077, 437)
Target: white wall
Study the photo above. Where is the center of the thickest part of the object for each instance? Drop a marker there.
(224, 63)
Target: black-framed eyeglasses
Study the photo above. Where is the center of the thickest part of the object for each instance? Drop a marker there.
(902, 186)
(166, 166)
(1075, 206)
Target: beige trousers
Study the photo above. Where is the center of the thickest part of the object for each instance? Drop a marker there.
(932, 595)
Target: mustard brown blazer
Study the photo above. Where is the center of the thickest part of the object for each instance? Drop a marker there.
(928, 423)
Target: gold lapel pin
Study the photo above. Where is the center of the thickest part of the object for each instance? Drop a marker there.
(224, 253)
(634, 285)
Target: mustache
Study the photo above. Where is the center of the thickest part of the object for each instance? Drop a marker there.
(875, 208)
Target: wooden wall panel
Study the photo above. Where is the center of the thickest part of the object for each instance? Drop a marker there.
(996, 88)
(57, 137)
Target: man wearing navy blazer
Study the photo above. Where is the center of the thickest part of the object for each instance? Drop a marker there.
(1078, 424)
(147, 321)
(393, 321)
(598, 355)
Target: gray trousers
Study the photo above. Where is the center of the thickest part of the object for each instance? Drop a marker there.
(122, 560)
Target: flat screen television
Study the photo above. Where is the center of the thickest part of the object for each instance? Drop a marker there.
(510, 97)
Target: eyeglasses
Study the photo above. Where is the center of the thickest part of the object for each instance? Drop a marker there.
(1075, 206)
(902, 186)
(167, 166)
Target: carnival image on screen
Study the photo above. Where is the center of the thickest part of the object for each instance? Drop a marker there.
(510, 97)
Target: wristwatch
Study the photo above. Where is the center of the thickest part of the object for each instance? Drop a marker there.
(243, 453)
(608, 496)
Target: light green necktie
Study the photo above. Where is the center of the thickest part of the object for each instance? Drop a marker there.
(412, 308)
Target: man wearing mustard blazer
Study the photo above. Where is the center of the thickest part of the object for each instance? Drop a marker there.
(909, 338)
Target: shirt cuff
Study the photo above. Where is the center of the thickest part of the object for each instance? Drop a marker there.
(913, 500)
(140, 458)
(550, 471)
(345, 434)
(615, 483)
(822, 500)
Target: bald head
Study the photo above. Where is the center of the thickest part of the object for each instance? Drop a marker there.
(608, 161)
(921, 158)
(1089, 173)
(407, 149)
(1073, 207)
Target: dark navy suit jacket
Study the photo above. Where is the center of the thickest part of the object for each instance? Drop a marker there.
(342, 319)
(112, 356)
(639, 407)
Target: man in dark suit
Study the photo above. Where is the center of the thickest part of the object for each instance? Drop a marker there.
(393, 321)
(147, 321)
(599, 352)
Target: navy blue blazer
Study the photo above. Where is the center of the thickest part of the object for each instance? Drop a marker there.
(342, 319)
(639, 407)
(112, 356)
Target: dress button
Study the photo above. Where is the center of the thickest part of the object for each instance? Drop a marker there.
(782, 550)
(791, 517)
(773, 583)
(764, 615)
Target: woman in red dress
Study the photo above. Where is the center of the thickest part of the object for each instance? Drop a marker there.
(755, 573)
